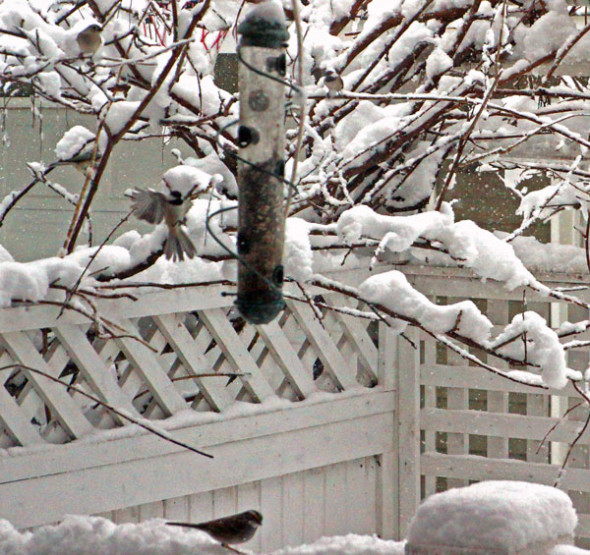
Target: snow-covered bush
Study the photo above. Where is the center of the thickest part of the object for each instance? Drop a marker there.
(429, 87)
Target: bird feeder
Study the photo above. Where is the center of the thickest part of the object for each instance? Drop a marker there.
(261, 162)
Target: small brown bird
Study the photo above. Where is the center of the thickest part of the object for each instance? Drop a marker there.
(229, 530)
(89, 39)
(154, 207)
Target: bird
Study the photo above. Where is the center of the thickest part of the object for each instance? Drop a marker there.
(232, 529)
(89, 39)
(79, 148)
(155, 207)
(332, 81)
(180, 185)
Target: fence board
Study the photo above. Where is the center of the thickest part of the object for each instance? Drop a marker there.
(408, 428)
(180, 339)
(237, 354)
(70, 416)
(338, 368)
(278, 344)
(147, 365)
(93, 369)
(443, 375)
(501, 425)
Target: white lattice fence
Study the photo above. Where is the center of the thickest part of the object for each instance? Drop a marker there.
(476, 426)
(308, 423)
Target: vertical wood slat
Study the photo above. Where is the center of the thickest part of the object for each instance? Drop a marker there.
(389, 372)
(429, 346)
(248, 499)
(54, 395)
(293, 508)
(172, 328)
(408, 428)
(457, 399)
(200, 507)
(177, 509)
(497, 312)
(271, 507)
(338, 368)
(335, 504)
(314, 491)
(236, 353)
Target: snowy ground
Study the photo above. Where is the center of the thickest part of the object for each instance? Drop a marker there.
(500, 516)
(99, 536)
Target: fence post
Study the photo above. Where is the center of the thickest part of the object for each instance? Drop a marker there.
(386, 498)
(407, 384)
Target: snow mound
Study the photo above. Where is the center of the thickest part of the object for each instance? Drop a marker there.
(499, 515)
(351, 544)
(99, 536)
(87, 535)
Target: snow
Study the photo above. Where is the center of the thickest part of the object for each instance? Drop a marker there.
(542, 346)
(186, 180)
(392, 290)
(502, 515)
(75, 142)
(297, 253)
(351, 544)
(438, 62)
(269, 10)
(548, 33)
(99, 536)
(498, 515)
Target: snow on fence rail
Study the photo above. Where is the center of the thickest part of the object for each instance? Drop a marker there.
(313, 434)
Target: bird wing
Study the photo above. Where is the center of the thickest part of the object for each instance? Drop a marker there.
(148, 205)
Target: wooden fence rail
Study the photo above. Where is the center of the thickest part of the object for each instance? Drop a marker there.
(336, 425)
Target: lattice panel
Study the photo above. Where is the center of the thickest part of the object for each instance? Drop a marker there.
(166, 362)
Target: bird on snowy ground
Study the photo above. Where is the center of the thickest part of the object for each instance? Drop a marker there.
(229, 530)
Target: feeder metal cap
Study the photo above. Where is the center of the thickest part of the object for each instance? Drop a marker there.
(264, 26)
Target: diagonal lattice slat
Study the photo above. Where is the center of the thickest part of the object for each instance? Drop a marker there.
(287, 360)
(147, 364)
(235, 351)
(338, 368)
(181, 341)
(54, 395)
(149, 370)
(93, 368)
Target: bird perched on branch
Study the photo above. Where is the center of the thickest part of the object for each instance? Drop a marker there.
(229, 530)
(332, 81)
(89, 39)
(181, 185)
(79, 148)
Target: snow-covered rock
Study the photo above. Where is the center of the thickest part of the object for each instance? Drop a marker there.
(493, 517)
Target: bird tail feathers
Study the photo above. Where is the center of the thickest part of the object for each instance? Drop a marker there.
(178, 245)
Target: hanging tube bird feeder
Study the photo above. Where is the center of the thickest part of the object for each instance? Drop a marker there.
(261, 163)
